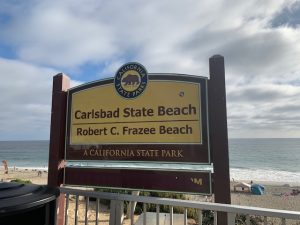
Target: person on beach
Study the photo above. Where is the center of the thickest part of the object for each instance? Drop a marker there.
(5, 165)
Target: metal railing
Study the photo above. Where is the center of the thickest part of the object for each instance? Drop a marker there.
(117, 201)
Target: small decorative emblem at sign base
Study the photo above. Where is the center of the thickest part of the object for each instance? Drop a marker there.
(131, 80)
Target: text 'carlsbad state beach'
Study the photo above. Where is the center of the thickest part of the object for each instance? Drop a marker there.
(82, 118)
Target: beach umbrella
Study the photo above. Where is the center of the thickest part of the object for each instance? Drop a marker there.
(257, 189)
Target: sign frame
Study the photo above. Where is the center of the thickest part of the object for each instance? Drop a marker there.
(200, 181)
(76, 152)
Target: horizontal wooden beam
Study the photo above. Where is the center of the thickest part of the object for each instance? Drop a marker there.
(156, 180)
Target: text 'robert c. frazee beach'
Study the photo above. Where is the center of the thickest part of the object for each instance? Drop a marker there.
(130, 112)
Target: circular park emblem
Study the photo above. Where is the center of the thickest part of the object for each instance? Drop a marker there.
(131, 80)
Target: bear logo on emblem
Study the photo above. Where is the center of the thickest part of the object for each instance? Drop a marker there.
(131, 80)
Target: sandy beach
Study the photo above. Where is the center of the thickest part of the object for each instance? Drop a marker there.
(277, 195)
(33, 175)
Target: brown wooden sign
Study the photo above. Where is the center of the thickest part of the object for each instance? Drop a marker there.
(166, 123)
(155, 180)
(135, 117)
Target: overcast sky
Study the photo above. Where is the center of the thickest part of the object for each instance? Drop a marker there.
(89, 40)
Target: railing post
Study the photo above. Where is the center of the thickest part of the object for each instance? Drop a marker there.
(157, 214)
(119, 212)
(247, 219)
(199, 212)
(116, 212)
(97, 210)
(76, 210)
(185, 217)
(67, 209)
(131, 207)
(231, 218)
(145, 214)
(112, 212)
(87, 202)
(216, 218)
(171, 215)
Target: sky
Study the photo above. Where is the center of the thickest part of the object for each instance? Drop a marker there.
(89, 40)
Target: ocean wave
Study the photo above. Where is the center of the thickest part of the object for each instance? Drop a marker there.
(265, 175)
(28, 168)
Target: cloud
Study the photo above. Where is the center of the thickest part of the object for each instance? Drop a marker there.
(263, 93)
(288, 16)
(25, 101)
(259, 40)
(265, 110)
(70, 33)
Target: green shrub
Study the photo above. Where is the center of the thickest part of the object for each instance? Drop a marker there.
(241, 220)
(17, 180)
(208, 217)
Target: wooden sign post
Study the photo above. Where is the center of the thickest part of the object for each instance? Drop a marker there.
(218, 133)
(56, 164)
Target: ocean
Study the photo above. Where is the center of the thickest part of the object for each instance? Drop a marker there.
(266, 159)
(273, 160)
